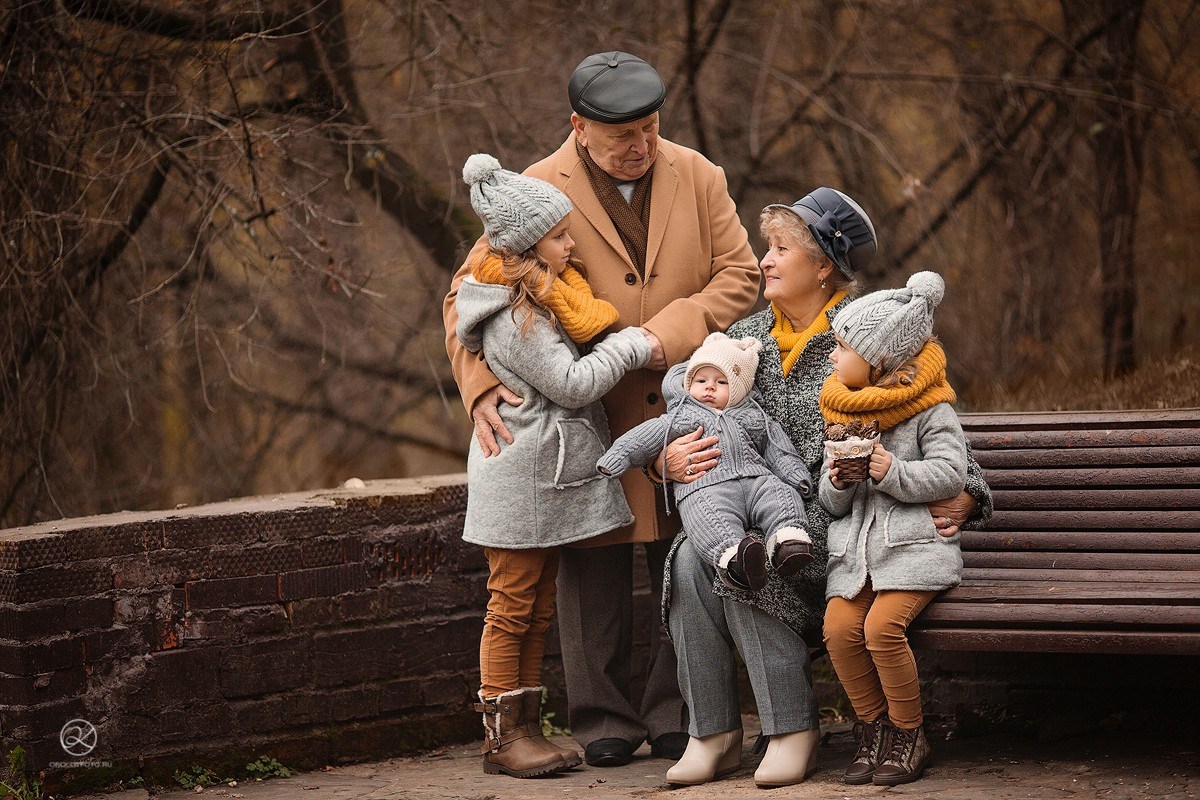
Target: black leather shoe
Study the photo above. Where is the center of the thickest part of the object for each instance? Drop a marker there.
(669, 745)
(608, 753)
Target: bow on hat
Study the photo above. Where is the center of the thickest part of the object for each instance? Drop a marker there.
(838, 230)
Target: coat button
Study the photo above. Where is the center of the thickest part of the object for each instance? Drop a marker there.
(630, 278)
(652, 398)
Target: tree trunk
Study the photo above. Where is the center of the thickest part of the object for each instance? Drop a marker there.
(1117, 144)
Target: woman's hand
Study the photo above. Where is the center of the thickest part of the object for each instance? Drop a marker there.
(951, 513)
(833, 476)
(881, 461)
(690, 456)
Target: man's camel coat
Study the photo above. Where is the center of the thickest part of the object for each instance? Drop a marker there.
(701, 276)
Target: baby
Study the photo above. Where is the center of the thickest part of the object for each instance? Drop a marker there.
(755, 482)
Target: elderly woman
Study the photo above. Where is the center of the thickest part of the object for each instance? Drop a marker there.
(816, 247)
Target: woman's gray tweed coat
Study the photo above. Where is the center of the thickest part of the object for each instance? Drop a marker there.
(543, 489)
(792, 401)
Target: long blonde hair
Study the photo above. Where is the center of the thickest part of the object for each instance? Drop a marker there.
(904, 374)
(530, 280)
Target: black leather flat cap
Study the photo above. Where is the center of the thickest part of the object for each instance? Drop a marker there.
(615, 88)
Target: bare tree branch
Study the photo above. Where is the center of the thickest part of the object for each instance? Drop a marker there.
(189, 23)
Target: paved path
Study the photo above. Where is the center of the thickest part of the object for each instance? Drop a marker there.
(1119, 766)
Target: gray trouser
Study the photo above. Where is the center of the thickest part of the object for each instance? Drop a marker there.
(706, 628)
(595, 624)
(717, 517)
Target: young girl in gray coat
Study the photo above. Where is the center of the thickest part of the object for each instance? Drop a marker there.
(753, 485)
(528, 308)
(886, 559)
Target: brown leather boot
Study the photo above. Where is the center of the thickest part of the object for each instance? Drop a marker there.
(531, 709)
(872, 747)
(907, 756)
(508, 748)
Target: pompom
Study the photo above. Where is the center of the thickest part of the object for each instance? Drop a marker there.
(479, 168)
(928, 285)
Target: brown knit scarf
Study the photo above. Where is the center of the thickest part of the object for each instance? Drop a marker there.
(580, 313)
(633, 218)
(891, 405)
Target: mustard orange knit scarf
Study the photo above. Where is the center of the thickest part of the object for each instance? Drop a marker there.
(570, 299)
(891, 405)
(791, 341)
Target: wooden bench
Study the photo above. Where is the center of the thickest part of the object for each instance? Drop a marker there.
(1095, 541)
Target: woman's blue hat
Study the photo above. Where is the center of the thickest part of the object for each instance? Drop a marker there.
(841, 227)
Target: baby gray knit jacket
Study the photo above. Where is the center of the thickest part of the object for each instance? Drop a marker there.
(752, 443)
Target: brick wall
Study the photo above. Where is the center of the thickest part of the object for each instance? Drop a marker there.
(314, 628)
(344, 625)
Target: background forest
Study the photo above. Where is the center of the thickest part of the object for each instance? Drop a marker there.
(226, 227)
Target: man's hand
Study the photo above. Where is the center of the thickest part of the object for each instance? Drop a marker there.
(658, 356)
(881, 461)
(949, 514)
(690, 456)
(486, 416)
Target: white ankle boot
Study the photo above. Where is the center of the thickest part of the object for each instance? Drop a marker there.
(707, 758)
(790, 758)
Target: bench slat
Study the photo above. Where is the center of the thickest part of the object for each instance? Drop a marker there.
(1098, 499)
(996, 574)
(1090, 616)
(1084, 592)
(1059, 641)
(1099, 541)
(1037, 439)
(1141, 418)
(1139, 476)
(1053, 520)
(1089, 457)
(1077, 560)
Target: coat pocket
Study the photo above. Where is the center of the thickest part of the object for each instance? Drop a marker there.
(579, 448)
(908, 525)
(838, 537)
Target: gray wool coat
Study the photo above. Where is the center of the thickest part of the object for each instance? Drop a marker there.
(751, 442)
(543, 489)
(882, 529)
(792, 401)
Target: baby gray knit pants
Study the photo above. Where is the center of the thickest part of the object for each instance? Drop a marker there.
(716, 517)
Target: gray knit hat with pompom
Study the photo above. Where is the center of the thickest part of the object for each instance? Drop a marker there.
(516, 210)
(889, 327)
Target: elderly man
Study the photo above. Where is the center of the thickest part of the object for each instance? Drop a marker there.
(660, 239)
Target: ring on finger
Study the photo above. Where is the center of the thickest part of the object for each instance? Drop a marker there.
(688, 471)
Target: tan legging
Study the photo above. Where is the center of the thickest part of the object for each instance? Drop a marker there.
(867, 643)
(520, 609)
